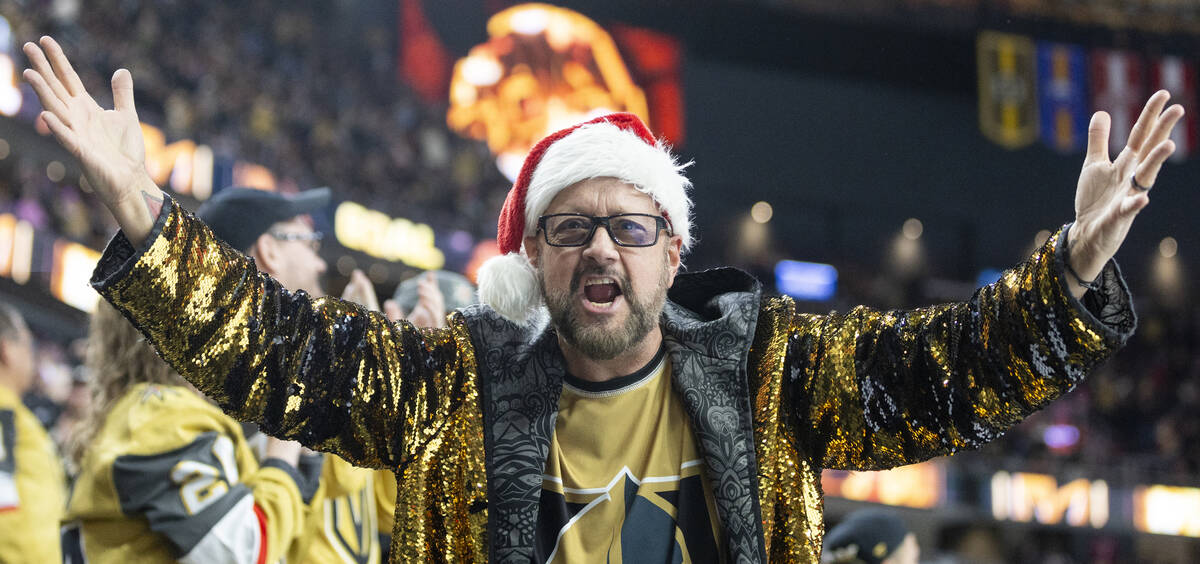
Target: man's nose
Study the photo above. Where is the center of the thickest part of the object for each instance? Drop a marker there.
(601, 248)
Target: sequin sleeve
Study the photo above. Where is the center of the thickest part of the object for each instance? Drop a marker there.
(319, 370)
(879, 389)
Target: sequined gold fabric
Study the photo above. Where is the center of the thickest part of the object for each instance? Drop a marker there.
(324, 372)
(869, 390)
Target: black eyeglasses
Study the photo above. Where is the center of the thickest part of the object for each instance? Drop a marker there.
(313, 239)
(625, 229)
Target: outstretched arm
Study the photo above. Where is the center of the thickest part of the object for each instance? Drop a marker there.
(877, 389)
(321, 371)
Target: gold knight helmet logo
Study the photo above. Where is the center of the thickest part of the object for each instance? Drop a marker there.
(543, 68)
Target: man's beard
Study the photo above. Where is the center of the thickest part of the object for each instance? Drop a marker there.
(596, 341)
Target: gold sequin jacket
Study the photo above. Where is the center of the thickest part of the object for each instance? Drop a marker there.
(464, 415)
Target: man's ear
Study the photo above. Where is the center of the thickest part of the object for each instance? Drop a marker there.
(674, 257)
(532, 251)
(266, 253)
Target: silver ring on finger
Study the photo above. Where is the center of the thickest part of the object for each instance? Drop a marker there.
(1134, 182)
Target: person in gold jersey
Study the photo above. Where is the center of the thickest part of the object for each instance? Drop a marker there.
(165, 475)
(653, 481)
(593, 232)
(32, 482)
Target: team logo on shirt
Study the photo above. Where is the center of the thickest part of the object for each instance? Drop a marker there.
(350, 525)
(664, 519)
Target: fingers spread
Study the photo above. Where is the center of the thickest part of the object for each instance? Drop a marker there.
(1141, 129)
(41, 67)
(1097, 146)
(62, 67)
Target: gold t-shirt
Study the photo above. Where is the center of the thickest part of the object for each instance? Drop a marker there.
(624, 481)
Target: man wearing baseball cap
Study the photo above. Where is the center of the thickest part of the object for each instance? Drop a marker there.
(658, 416)
(277, 231)
(871, 536)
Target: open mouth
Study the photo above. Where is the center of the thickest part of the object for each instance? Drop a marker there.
(601, 292)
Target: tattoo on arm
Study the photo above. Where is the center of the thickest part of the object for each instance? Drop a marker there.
(153, 205)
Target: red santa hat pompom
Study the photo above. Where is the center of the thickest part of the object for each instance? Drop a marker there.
(616, 145)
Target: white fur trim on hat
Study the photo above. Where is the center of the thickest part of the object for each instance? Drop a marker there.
(603, 149)
(509, 285)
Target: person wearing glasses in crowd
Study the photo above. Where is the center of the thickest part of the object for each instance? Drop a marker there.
(599, 404)
(277, 231)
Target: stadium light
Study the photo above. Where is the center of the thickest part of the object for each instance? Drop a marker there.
(913, 228)
(1168, 272)
(1168, 247)
(762, 212)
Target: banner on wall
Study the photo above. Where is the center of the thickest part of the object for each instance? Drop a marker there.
(1062, 96)
(1067, 84)
(1117, 79)
(1178, 76)
(1008, 112)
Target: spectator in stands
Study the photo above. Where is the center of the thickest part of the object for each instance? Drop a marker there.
(164, 475)
(32, 485)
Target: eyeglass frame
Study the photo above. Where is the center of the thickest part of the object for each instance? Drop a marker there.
(313, 239)
(660, 222)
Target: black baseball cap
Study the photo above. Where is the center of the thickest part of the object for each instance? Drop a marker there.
(239, 216)
(866, 536)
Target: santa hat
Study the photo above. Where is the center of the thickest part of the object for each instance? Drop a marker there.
(615, 145)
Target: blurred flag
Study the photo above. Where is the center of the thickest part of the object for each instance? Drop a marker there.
(1179, 77)
(1062, 95)
(1007, 99)
(1118, 88)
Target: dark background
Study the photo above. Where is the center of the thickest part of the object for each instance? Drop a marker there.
(848, 124)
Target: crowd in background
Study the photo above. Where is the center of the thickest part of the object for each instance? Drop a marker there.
(310, 92)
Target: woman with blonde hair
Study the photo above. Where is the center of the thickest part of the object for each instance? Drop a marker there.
(165, 475)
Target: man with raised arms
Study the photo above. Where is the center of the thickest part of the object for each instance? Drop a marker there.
(656, 416)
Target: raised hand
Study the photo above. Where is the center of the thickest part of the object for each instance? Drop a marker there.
(360, 291)
(430, 311)
(1111, 193)
(108, 143)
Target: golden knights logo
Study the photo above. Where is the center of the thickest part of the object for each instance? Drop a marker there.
(1008, 111)
(663, 519)
(349, 527)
